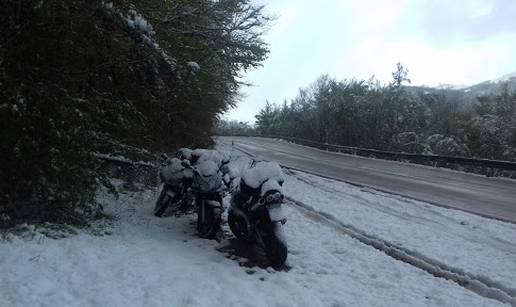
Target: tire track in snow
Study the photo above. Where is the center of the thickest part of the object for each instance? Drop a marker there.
(493, 242)
(479, 285)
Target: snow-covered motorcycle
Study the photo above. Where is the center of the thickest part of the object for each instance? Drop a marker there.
(208, 188)
(256, 214)
(221, 159)
(176, 181)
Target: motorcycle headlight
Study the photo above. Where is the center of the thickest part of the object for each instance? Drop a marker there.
(273, 198)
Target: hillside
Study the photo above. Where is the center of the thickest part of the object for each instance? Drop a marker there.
(468, 93)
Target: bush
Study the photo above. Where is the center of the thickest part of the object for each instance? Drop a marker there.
(48, 171)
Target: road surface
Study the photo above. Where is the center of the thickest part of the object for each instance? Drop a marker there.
(490, 197)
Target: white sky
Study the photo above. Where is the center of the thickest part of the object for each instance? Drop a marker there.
(439, 41)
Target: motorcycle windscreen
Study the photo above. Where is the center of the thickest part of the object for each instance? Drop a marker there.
(173, 172)
(211, 183)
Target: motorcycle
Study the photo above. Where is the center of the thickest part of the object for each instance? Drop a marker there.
(184, 153)
(256, 215)
(176, 182)
(208, 187)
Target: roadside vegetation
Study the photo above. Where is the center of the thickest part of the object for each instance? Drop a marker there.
(471, 122)
(83, 77)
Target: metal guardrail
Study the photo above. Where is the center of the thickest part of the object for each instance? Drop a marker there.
(138, 171)
(486, 166)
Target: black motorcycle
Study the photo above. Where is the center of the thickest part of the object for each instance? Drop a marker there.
(208, 187)
(256, 215)
(176, 183)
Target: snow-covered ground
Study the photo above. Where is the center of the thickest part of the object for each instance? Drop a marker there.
(140, 260)
(136, 259)
(481, 247)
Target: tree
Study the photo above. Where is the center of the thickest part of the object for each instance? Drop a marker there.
(79, 77)
(265, 119)
(233, 127)
(399, 76)
(396, 117)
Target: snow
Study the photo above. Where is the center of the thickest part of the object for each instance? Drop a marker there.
(261, 172)
(207, 168)
(482, 247)
(185, 152)
(506, 77)
(208, 154)
(270, 185)
(234, 169)
(108, 5)
(452, 86)
(194, 66)
(276, 213)
(173, 172)
(209, 178)
(168, 59)
(136, 259)
(120, 158)
(136, 21)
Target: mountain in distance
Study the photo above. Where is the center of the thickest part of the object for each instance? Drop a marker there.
(493, 86)
(508, 77)
(469, 93)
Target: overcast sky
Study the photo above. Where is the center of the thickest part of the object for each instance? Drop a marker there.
(439, 41)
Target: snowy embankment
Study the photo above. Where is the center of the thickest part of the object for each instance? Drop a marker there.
(139, 260)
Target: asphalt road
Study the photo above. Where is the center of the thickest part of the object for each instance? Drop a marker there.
(490, 197)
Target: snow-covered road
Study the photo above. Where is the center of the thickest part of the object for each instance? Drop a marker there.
(140, 260)
(492, 197)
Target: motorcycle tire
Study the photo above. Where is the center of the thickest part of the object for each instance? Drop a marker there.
(275, 246)
(162, 203)
(236, 227)
(210, 224)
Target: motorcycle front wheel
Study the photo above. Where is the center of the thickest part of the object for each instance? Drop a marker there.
(275, 246)
(208, 219)
(238, 226)
(162, 203)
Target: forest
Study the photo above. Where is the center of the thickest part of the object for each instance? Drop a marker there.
(80, 78)
(394, 117)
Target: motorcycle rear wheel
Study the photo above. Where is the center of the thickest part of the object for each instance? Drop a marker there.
(238, 227)
(208, 220)
(162, 203)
